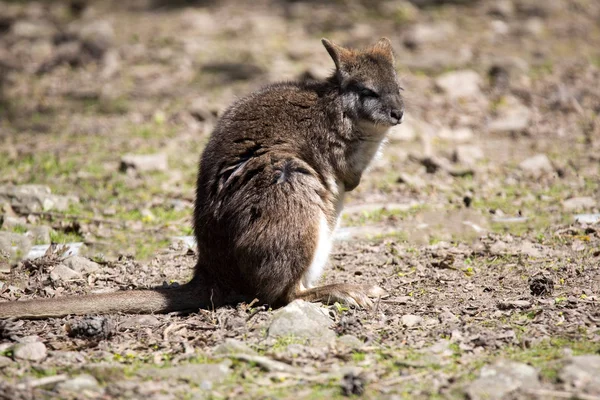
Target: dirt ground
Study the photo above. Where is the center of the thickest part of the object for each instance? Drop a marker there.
(480, 219)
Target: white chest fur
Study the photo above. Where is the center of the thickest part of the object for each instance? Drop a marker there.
(325, 236)
(324, 243)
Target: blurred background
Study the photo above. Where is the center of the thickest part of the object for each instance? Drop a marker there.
(105, 107)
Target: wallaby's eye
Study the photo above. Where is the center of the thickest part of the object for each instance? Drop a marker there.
(367, 92)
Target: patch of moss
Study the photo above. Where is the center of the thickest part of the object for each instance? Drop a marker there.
(65, 237)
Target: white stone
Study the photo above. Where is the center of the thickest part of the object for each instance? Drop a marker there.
(537, 166)
(410, 320)
(460, 84)
(35, 351)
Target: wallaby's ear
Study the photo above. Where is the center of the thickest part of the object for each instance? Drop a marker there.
(339, 54)
(384, 47)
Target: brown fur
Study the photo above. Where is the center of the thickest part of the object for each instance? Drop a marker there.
(278, 162)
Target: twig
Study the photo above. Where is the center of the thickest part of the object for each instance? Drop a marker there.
(394, 302)
(377, 305)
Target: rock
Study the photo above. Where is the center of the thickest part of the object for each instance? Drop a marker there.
(438, 353)
(447, 317)
(188, 241)
(500, 27)
(441, 347)
(410, 320)
(63, 273)
(501, 379)
(34, 198)
(534, 26)
(4, 265)
(111, 65)
(537, 166)
(530, 249)
(233, 346)
(40, 234)
(144, 163)
(459, 135)
(514, 304)
(582, 373)
(10, 223)
(508, 220)
(459, 84)
(351, 342)
(514, 117)
(414, 181)
(5, 362)
(204, 375)
(90, 327)
(33, 29)
(97, 37)
(29, 339)
(80, 383)
(68, 357)
(14, 245)
(302, 320)
(139, 321)
(587, 218)
(81, 264)
(579, 203)
(502, 8)
(467, 154)
(35, 351)
(498, 248)
(426, 33)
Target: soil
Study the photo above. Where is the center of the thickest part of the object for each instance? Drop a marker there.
(470, 220)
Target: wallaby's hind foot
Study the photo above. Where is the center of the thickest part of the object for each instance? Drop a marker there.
(353, 295)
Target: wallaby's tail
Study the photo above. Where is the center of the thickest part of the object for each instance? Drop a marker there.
(182, 298)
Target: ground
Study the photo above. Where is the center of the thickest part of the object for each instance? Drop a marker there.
(479, 220)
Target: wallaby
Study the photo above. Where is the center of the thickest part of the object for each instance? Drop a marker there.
(270, 191)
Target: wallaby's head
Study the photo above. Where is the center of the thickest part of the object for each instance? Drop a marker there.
(368, 83)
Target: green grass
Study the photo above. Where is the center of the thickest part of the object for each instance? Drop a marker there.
(20, 229)
(65, 237)
(547, 355)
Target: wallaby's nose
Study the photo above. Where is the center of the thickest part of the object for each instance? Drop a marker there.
(397, 115)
